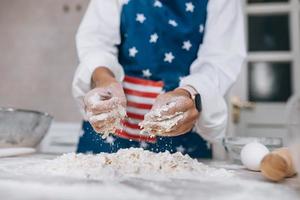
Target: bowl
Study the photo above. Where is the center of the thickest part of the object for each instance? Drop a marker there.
(234, 145)
(22, 128)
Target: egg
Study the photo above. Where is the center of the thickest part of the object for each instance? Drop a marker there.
(252, 155)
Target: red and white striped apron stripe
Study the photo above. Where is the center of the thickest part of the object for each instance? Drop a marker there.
(135, 116)
(139, 105)
(130, 125)
(137, 110)
(141, 88)
(143, 82)
(132, 131)
(141, 95)
(141, 100)
(133, 121)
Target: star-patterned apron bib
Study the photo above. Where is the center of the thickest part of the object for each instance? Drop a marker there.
(159, 42)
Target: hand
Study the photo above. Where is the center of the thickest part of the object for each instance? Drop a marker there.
(175, 109)
(106, 103)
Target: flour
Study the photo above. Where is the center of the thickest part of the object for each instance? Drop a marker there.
(131, 162)
(94, 99)
(117, 114)
(163, 123)
(164, 108)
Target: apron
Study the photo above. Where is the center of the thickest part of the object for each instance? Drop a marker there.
(159, 42)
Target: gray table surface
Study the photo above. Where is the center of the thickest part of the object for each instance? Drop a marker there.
(250, 185)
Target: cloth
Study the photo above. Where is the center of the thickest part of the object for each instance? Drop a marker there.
(160, 43)
(190, 143)
(140, 95)
(155, 53)
(210, 61)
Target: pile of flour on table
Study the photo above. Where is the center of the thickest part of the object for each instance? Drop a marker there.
(133, 162)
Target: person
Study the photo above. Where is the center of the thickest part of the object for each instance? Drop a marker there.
(144, 54)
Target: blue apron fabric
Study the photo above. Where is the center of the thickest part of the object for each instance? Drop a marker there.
(190, 27)
(167, 58)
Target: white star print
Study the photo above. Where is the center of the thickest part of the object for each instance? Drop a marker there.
(110, 140)
(133, 51)
(173, 22)
(169, 57)
(181, 77)
(126, 1)
(146, 73)
(153, 38)
(143, 145)
(189, 7)
(180, 149)
(208, 145)
(140, 18)
(201, 28)
(81, 133)
(89, 152)
(186, 45)
(157, 4)
(190, 149)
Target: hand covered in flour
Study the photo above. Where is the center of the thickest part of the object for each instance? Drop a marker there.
(172, 114)
(105, 104)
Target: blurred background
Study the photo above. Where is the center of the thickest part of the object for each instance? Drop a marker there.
(271, 74)
(38, 60)
(38, 56)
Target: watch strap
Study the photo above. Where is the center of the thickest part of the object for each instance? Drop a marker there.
(194, 95)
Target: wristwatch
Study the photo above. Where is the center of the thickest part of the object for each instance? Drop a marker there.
(194, 95)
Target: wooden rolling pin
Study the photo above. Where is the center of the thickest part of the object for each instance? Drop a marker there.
(278, 165)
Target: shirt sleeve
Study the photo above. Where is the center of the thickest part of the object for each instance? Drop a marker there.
(217, 66)
(96, 40)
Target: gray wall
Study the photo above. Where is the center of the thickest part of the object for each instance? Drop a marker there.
(38, 56)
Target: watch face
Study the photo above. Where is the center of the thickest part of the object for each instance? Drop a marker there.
(198, 102)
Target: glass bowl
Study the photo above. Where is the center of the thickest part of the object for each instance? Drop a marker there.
(234, 145)
(22, 128)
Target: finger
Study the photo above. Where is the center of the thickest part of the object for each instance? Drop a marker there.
(104, 126)
(171, 108)
(177, 132)
(104, 106)
(100, 124)
(181, 130)
(182, 104)
(96, 95)
(117, 90)
(102, 118)
(188, 117)
(104, 129)
(155, 129)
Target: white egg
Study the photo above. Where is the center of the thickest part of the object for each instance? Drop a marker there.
(252, 155)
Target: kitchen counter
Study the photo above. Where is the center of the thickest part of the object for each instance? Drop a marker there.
(14, 184)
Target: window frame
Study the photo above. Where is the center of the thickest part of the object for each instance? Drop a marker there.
(291, 8)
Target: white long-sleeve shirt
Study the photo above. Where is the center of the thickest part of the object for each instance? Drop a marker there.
(215, 69)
